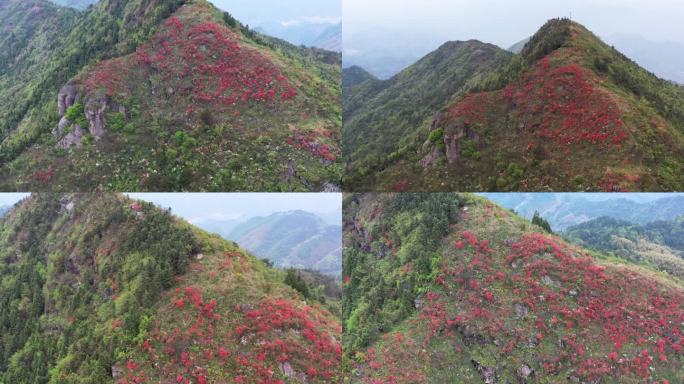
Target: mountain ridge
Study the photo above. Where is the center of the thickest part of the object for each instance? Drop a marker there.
(118, 290)
(521, 126)
(296, 239)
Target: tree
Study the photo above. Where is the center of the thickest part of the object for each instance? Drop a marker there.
(294, 279)
(541, 222)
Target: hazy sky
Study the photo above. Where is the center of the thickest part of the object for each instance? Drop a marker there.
(199, 207)
(597, 196)
(11, 198)
(255, 12)
(401, 25)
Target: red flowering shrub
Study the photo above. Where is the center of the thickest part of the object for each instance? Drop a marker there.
(558, 103)
(204, 60)
(44, 177)
(311, 144)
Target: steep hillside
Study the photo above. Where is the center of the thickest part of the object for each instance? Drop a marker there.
(568, 209)
(659, 243)
(379, 119)
(99, 288)
(355, 75)
(568, 113)
(293, 239)
(184, 97)
(452, 288)
(330, 39)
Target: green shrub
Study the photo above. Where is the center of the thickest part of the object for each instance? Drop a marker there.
(117, 122)
(76, 115)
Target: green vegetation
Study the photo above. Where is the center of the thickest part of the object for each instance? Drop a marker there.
(99, 288)
(76, 115)
(50, 255)
(567, 113)
(381, 118)
(294, 279)
(658, 243)
(539, 221)
(451, 288)
(388, 262)
(108, 54)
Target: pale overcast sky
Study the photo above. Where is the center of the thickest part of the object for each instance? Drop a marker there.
(505, 22)
(11, 198)
(256, 12)
(200, 207)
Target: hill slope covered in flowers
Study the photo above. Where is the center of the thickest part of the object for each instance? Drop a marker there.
(567, 113)
(99, 288)
(441, 287)
(184, 97)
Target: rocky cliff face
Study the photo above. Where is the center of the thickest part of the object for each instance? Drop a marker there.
(450, 142)
(70, 133)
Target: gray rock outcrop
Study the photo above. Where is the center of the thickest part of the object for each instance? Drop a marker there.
(67, 132)
(67, 97)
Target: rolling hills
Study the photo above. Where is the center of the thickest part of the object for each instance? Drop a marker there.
(295, 239)
(100, 288)
(567, 113)
(151, 95)
(380, 116)
(564, 210)
(658, 243)
(448, 287)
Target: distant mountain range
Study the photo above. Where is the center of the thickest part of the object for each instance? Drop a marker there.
(568, 112)
(292, 239)
(311, 34)
(568, 209)
(658, 243)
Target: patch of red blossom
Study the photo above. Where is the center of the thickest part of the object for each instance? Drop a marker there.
(204, 60)
(45, 176)
(557, 103)
(309, 143)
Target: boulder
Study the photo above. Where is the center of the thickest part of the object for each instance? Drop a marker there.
(67, 97)
(72, 138)
(117, 372)
(520, 310)
(523, 373)
(488, 374)
(95, 113)
(431, 158)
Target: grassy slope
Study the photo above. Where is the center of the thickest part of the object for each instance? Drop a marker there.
(94, 289)
(501, 300)
(179, 133)
(569, 113)
(380, 117)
